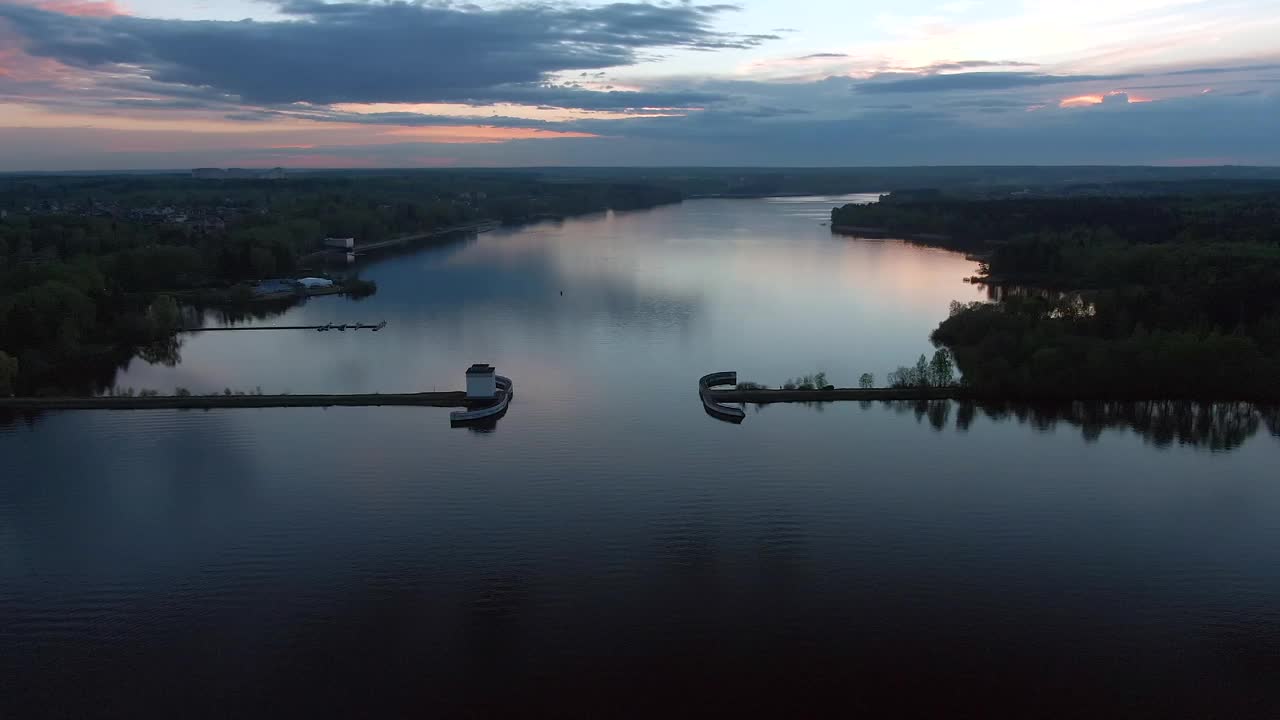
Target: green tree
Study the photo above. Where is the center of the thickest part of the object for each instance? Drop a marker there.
(942, 369)
(262, 262)
(867, 381)
(163, 315)
(920, 374)
(8, 373)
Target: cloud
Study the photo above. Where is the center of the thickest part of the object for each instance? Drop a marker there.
(396, 51)
(971, 64)
(897, 83)
(1237, 130)
(86, 8)
(382, 83)
(1223, 70)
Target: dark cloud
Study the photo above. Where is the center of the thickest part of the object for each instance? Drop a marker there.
(816, 56)
(768, 111)
(1116, 132)
(396, 119)
(971, 64)
(384, 52)
(159, 104)
(1223, 70)
(1165, 86)
(985, 103)
(904, 83)
(1238, 130)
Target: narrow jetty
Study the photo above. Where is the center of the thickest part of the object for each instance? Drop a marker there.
(712, 404)
(486, 398)
(210, 402)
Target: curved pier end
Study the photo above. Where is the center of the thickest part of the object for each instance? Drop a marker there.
(714, 409)
(506, 391)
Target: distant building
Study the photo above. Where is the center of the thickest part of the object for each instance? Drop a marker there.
(312, 283)
(481, 382)
(340, 243)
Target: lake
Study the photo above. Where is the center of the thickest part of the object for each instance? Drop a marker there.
(608, 549)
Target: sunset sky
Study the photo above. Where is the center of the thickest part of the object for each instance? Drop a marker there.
(149, 84)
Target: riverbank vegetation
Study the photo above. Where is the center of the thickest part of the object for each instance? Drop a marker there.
(94, 268)
(1134, 297)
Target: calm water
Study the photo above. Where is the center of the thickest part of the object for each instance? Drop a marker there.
(610, 550)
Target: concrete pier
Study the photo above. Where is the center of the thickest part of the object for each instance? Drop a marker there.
(712, 404)
(210, 402)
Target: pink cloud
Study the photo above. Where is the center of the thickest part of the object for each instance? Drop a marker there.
(83, 8)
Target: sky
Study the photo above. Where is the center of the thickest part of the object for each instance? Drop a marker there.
(150, 84)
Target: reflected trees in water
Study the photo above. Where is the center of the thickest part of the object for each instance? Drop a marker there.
(1210, 426)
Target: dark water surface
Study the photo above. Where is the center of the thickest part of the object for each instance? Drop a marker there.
(610, 550)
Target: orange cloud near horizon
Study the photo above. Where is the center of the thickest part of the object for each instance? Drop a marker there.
(1081, 101)
(1090, 100)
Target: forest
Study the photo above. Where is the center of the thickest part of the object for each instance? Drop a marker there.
(90, 266)
(1118, 298)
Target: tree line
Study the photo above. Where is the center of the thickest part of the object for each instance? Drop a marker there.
(1133, 297)
(90, 267)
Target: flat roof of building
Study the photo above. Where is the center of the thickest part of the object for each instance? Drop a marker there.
(480, 369)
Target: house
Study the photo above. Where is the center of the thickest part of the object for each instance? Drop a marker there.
(481, 382)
